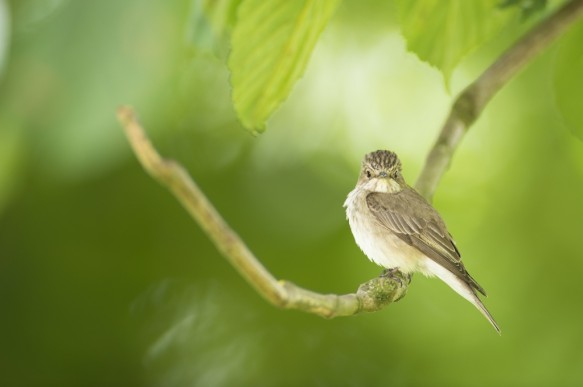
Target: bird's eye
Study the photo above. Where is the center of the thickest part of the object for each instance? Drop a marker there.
(395, 175)
(368, 174)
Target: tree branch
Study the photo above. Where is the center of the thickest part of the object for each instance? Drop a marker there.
(371, 296)
(378, 292)
(472, 101)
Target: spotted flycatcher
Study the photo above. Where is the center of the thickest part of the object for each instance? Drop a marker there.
(397, 228)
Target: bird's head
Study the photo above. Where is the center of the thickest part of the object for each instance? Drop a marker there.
(381, 172)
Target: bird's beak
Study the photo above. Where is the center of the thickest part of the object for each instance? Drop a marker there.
(383, 174)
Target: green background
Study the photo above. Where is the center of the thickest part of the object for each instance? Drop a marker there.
(105, 281)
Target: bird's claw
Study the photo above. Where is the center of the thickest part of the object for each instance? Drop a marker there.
(394, 274)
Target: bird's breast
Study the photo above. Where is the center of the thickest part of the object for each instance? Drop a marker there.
(379, 244)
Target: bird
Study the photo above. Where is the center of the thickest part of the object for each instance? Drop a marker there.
(399, 229)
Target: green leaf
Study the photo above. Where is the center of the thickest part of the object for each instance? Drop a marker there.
(568, 80)
(442, 32)
(271, 44)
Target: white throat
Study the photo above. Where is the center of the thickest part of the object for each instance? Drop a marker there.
(382, 185)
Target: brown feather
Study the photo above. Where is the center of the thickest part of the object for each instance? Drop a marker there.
(416, 222)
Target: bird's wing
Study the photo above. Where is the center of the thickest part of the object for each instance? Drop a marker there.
(417, 223)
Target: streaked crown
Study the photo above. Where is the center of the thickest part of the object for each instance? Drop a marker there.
(382, 160)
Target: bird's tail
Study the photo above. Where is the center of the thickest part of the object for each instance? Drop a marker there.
(463, 289)
(478, 304)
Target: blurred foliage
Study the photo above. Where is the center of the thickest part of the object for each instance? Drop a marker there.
(527, 7)
(568, 82)
(104, 280)
(4, 32)
(210, 26)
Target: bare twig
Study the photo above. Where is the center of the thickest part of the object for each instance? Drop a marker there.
(475, 97)
(371, 296)
(378, 292)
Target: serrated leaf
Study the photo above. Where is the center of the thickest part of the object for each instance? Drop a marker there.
(568, 80)
(442, 32)
(271, 44)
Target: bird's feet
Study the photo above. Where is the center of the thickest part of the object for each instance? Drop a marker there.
(394, 274)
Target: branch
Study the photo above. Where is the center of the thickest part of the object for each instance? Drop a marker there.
(472, 101)
(371, 296)
(378, 292)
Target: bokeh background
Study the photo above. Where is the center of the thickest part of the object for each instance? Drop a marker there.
(105, 281)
